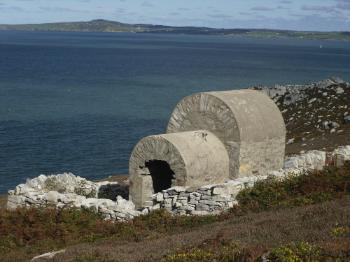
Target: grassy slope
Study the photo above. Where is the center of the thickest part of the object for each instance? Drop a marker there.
(313, 208)
(257, 232)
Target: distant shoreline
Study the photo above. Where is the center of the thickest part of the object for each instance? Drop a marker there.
(117, 27)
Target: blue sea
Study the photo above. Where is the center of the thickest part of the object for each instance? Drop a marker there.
(79, 102)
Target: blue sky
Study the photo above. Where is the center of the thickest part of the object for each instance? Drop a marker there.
(322, 15)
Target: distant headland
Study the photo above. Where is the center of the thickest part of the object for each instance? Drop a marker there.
(101, 25)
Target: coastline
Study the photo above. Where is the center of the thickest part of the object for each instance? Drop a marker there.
(107, 26)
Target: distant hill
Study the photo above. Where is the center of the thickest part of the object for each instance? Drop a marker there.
(101, 25)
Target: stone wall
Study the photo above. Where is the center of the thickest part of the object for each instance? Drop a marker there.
(210, 199)
(213, 199)
(68, 190)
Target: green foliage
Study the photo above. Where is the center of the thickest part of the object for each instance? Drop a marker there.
(306, 189)
(340, 231)
(298, 252)
(232, 252)
(224, 251)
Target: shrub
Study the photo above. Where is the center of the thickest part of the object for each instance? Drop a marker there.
(298, 252)
(224, 251)
(340, 231)
(306, 189)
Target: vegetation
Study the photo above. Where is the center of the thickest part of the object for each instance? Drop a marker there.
(227, 252)
(312, 188)
(111, 26)
(303, 229)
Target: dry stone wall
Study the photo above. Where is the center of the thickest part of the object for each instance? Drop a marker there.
(210, 199)
(213, 199)
(68, 190)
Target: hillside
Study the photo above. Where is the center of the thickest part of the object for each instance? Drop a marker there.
(317, 115)
(101, 25)
(303, 218)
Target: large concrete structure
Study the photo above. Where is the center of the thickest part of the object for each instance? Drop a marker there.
(211, 137)
(248, 123)
(190, 159)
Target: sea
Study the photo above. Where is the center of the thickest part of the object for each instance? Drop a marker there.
(79, 102)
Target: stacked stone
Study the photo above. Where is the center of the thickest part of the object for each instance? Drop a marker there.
(68, 190)
(317, 160)
(211, 199)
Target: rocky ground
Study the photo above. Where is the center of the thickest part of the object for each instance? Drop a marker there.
(317, 115)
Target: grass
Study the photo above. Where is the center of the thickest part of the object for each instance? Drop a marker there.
(311, 188)
(226, 252)
(262, 222)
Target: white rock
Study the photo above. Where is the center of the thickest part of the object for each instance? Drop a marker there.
(339, 90)
(159, 197)
(290, 141)
(52, 197)
(312, 100)
(48, 256)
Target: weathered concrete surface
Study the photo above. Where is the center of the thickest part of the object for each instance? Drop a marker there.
(248, 123)
(195, 159)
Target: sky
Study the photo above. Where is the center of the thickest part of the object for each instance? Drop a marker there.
(319, 15)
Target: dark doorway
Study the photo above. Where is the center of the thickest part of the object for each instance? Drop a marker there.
(161, 174)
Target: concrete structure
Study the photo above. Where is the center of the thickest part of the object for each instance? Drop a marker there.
(189, 159)
(248, 123)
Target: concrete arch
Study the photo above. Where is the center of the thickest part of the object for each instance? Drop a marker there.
(248, 123)
(194, 158)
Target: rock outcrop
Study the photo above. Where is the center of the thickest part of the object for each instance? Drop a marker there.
(313, 112)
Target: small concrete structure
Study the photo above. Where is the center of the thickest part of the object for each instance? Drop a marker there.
(187, 159)
(248, 122)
